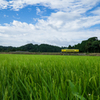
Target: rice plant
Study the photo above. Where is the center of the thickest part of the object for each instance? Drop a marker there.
(49, 77)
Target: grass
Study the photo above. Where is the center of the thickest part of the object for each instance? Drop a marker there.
(49, 77)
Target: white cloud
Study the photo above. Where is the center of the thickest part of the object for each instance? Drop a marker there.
(62, 21)
(38, 11)
(63, 5)
(18, 33)
(17, 4)
(4, 35)
(3, 4)
(6, 16)
(96, 11)
(69, 25)
(29, 9)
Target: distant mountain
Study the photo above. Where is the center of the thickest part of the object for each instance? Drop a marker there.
(90, 45)
(32, 48)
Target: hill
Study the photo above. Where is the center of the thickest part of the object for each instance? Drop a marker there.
(91, 45)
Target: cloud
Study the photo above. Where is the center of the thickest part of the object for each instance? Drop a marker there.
(63, 5)
(38, 11)
(63, 22)
(18, 33)
(3, 4)
(4, 35)
(68, 25)
(96, 11)
(29, 9)
(6, 16)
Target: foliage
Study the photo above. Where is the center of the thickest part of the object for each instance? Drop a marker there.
(32, 48)
(47, 77)
(90, 45)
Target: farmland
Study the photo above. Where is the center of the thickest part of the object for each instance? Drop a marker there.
(49, 77)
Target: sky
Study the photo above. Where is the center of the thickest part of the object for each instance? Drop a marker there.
(54, 22)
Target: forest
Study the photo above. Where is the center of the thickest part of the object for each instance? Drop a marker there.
(92, 45)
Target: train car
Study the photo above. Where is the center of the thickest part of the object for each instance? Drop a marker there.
(69, 50)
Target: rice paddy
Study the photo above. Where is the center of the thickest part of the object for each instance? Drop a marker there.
(49, 77)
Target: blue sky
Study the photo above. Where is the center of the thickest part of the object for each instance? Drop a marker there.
(59, 22)
(28, 14)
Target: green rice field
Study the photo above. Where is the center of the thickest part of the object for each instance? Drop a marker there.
(49, 77)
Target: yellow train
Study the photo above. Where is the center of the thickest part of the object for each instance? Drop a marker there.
(69, 50)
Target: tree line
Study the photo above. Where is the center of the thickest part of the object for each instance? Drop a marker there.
(32, 48)
(90, 45)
